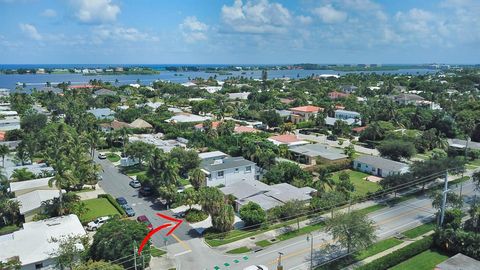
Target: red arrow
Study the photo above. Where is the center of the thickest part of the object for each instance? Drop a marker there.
(178, 221)
(154, 231)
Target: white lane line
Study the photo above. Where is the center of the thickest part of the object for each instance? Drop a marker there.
(292, 244)
(401, 226)
(182, 253)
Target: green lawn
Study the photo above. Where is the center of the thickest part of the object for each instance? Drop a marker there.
(239, 250)
(302, 231)
(98, 208)
(377, 248)
(420, 230)
(113, 157)
(264, 243)
(134, 170)
(155, 252)
(476, 162)
(362, 186)
(426, 260)
(8, 229)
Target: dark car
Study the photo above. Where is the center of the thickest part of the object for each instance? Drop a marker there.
(122, 201)
(143, 219)
(145, 191)
(331, 137)
(128, 210)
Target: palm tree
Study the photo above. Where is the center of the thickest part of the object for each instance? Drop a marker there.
(197, 178)
(4, 150)
(287, 128)
(11, 209)
(93, 139)
(124, 132)
(22, 175)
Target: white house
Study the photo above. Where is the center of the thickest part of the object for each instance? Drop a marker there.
(379, 166)
(102, 113)
(33, 244)
(228, 170)
(10, 123)
(31, 202)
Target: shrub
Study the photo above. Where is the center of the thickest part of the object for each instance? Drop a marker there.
(113, 202)
(400, 255)
(252, 214)
(194, 215)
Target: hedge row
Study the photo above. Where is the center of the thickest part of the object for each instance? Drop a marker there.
(400, 255)
(113, 202)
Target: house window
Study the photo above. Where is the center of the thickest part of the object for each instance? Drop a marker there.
(220, 174)
(38, 265)
(248, 169)
(236, 170)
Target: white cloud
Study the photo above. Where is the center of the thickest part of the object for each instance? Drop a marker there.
(102, 33)
(30, 30)
(95, 11)
(304, 19)
(193, 30)
(256, 17)
(49, 13)
(328, 14)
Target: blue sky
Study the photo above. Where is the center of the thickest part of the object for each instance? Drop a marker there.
(239, 31)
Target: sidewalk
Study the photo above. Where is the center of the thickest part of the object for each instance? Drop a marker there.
(250, 241)
(91, 194)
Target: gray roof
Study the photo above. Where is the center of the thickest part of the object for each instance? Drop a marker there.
(47, 89)
(29, 184)
(458, 143)
(284, 113)
(408, 97)
(225, 163)
(285, 192)
(319, 150)
(104, 92)
(330, 121)
(264, 201)
(101, 112)
(33, 200)
(381, 163)
(35, 168)
(459, 262)
(245, 188)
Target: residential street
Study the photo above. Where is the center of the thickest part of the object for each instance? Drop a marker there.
(193, 253)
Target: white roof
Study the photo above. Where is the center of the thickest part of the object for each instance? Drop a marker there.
(35, 168)
(186, 118)
(33, 243)
(33, 200)
(29, 184)
(212, 154)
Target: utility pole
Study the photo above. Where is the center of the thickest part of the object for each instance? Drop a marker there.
(310, 238)
(135, 254)
(279, 266)
(444, 199)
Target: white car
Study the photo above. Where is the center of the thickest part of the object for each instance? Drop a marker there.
(97, 223)
(102, 156)
(256, 267)
(135, 184)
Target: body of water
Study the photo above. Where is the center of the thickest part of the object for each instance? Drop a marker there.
(39, 80)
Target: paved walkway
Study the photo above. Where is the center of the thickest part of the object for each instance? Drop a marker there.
(91, 194)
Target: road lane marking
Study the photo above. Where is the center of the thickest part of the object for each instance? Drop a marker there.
(182, 243)
(182, 253)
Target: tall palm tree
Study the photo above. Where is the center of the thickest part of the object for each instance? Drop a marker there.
(93, 139)
(124, 132)
(4, 150)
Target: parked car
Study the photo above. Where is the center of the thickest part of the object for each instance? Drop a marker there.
(332, 138)
(94, 225)
(135, 184)
(128, 210)
(179, 215)
(145, 221)
(145, 191)
(121, 201)
(102, 156)
(256, 267)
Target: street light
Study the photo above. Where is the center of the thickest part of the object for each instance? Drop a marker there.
(279, 266)
(310, 238)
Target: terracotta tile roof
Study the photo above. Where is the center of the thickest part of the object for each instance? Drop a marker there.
(285, 138)
(244, 129)
(215, 125)
(116, 125)
(2, 136)
(81, 86)
(359, 129)
(308, 109)
(335, 95)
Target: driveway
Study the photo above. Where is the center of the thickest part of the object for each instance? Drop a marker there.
(116, 184)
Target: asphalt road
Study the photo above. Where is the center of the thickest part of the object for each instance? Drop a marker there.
(116, 184)
(190, 252)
